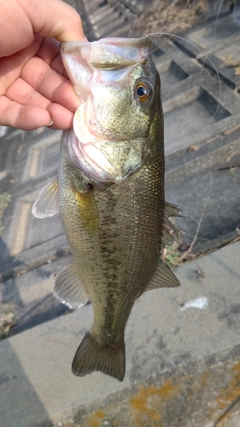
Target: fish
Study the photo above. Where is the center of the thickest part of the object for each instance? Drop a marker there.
(110, 193)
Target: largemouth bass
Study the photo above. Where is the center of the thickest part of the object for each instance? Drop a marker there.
(110, 193)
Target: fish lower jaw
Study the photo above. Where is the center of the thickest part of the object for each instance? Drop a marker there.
(94, 164)
(103, 161)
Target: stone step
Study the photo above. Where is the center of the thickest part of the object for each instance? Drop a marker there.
(110, 18)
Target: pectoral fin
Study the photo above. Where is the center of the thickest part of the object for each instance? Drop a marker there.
(69, 289)
(163, 278)
(46, 204)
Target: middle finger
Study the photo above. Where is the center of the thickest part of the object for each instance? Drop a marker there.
(38, 74)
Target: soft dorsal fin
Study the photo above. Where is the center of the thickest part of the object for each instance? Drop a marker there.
(46, 204)
(69, 289)
(163, 278)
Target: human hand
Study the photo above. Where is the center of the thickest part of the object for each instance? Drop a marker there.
(34, 88)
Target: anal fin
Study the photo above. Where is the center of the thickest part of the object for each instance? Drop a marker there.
(163, 278)
(69, 289)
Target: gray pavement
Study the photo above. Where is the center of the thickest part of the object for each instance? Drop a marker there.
(182, 363)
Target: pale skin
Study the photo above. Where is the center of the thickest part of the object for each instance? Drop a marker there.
(34, 88)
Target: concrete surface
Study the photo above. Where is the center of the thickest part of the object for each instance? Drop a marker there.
(168, 345)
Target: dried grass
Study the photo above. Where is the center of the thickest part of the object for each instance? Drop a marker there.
(7, 321)
(230, 62)
(171, 17)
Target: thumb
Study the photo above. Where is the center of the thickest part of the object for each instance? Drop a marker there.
(54, 19)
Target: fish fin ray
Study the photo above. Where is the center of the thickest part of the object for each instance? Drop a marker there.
(69, 289)
(46, 204)
(169, 230)
(90, 357)
(163, 278)
(171, 210)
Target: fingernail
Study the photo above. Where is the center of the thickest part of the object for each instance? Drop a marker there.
(49, 124)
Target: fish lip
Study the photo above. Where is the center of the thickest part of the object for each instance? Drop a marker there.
(135, 41)
(131, 51)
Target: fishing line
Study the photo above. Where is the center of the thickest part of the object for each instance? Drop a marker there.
(215, 26)
(157, 34)
(217, 19)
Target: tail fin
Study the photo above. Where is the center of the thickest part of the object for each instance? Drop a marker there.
(91, 357)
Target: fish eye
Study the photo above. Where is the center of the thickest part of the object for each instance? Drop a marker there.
(143, 91)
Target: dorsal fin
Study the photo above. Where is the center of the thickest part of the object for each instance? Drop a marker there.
(169, 230)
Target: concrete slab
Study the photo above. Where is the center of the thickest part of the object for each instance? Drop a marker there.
(29, 297)
(99, 14)
(171, 334)
(212, 35)
(111, 26)
(195, 106)
(214, 177)
(227, 62)
(136, 6)
(108, 21)
(31, 162)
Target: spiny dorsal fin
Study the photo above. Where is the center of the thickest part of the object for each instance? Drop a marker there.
(171, 210)
(46, 204)
(69, 289)
(90, 356)
(163, 278)
(169, 230)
